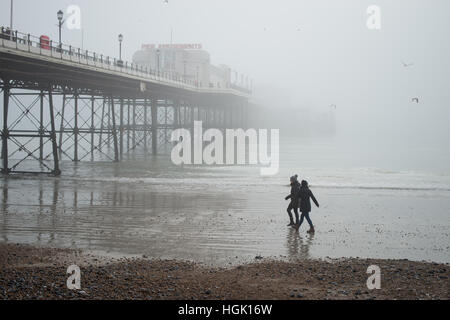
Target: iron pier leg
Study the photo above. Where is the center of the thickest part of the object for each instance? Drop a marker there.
(75, 130)
(176, 113)
(154, 126)
(128, 127)
(102, 126)
(92, 128)
(146, 125)
(134, 123)
(166, 123)
(56, 170)
(61, 127)
(41, 127)
(121, 129)
(116, 147)
(192, 132)
(5, 133)
(109, 123)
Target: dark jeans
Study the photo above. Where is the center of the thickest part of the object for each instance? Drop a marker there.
(306, 215)
(293, 205)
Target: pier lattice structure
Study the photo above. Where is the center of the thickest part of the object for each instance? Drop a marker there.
(60, 103)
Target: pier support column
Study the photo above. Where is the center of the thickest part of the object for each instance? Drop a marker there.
(121, 130)
(154, 109)
(192, 116)
(92, 128)
(75, 129)
(192, 131)
(56, 170)
(134, 124)
(41, 126)
(176, 113)
(5, 132)
(102, 125)
(146, 125)
(61, 127)
(128, 126)
(206, 125)
(110, 101)
(114, 132)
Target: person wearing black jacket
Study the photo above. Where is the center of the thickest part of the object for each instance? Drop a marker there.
(306, 195)
(294, 205)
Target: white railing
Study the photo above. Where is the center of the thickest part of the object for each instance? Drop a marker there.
(48, 48)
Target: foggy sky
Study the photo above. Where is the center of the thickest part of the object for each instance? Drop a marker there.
(333, 59)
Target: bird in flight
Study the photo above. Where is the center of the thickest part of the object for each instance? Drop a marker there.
(333, 106)
(416, 100)
(166, 1)
(406, 65)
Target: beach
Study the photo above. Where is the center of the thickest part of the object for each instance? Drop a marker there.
(223, 216)
(33, 273)
(146, 229)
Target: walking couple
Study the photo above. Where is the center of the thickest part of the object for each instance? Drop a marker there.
(300, 197)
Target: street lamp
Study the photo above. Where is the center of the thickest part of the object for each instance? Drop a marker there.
(11, 20)
(120, 47)
(60, 16)
(158, 52)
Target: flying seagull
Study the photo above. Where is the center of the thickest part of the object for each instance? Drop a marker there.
(406, 65)
(416, 100)
(333, 106)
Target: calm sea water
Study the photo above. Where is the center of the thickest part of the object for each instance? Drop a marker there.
(371, 206)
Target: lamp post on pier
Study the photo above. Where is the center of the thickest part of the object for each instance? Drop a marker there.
(120, 62)
(11, 20)
(60, 16)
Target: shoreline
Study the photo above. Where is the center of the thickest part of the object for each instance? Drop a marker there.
(39, 273)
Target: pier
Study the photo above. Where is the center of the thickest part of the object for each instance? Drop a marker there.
(63, 103)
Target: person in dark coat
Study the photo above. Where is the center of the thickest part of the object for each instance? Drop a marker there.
(306, 195)
(294, 205)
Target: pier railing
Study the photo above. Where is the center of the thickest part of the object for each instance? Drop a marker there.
(44, 46)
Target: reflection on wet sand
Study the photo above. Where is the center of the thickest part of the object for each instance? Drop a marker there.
(298, 246)
(4, 208)
(119, 217)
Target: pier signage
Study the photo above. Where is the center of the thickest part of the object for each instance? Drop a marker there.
(180, 46)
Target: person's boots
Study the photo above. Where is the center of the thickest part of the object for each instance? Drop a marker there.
(291, 224)
(312, 230)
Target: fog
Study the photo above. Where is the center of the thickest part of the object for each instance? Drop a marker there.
(311, 61)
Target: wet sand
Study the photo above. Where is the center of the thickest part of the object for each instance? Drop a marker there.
(30, 273)
(225, 216)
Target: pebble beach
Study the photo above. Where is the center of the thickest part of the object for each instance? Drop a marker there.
(39, 273)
